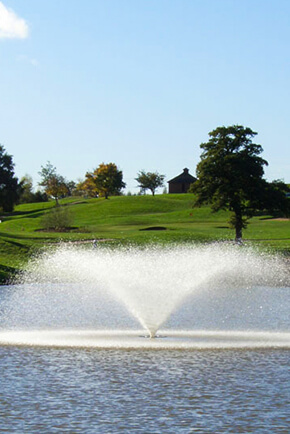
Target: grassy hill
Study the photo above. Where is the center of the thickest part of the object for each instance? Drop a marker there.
(128, 219)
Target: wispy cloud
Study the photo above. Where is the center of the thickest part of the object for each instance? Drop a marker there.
(32, 61)
(11, 26)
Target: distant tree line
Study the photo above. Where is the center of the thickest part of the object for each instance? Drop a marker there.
(104, 181)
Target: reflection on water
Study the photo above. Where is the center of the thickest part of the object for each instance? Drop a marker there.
(110, 391)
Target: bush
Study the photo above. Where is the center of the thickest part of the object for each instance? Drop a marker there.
(58, 219)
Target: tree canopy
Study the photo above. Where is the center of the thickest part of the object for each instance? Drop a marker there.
(10, 188)
(106, 180)
(230, 176)
(53, 183)
(150, 180)
(27, 194)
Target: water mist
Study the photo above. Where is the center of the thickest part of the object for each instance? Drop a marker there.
(73, 287)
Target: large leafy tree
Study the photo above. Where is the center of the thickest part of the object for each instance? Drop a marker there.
(106, 180)
(54, 184)
(150, 180)
(230, 176)
(10, 188)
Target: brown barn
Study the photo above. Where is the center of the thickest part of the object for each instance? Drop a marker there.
(181, 183)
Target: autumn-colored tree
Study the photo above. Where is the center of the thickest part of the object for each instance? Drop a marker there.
(87, 187)
(104, 181)
(53, 183)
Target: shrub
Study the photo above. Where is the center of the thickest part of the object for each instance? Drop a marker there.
(58, 219)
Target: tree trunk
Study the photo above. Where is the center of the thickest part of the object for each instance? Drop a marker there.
(238, 226)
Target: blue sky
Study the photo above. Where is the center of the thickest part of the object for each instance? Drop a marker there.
(141, 82)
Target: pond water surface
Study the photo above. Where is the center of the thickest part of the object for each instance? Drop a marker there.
(89, 389)
(169, 391)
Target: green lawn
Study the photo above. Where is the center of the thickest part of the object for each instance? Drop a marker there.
(123, 220)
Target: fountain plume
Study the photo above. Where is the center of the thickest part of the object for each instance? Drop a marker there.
(153, 282)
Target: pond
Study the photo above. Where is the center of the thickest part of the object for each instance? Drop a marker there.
(76, 353)
(111, 391)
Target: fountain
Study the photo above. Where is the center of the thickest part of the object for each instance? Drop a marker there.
(192, 296)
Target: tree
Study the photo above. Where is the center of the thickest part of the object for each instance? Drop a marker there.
(230, 176)
(104, 181)
(276, 198)
(87, 187)
(71, 188)
(150, 181)
(27, 194)
(10, 188)
(53, 183)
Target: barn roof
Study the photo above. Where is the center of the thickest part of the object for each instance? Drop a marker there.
(184, 177)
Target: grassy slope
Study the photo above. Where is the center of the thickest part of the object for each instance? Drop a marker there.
(121, 218)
